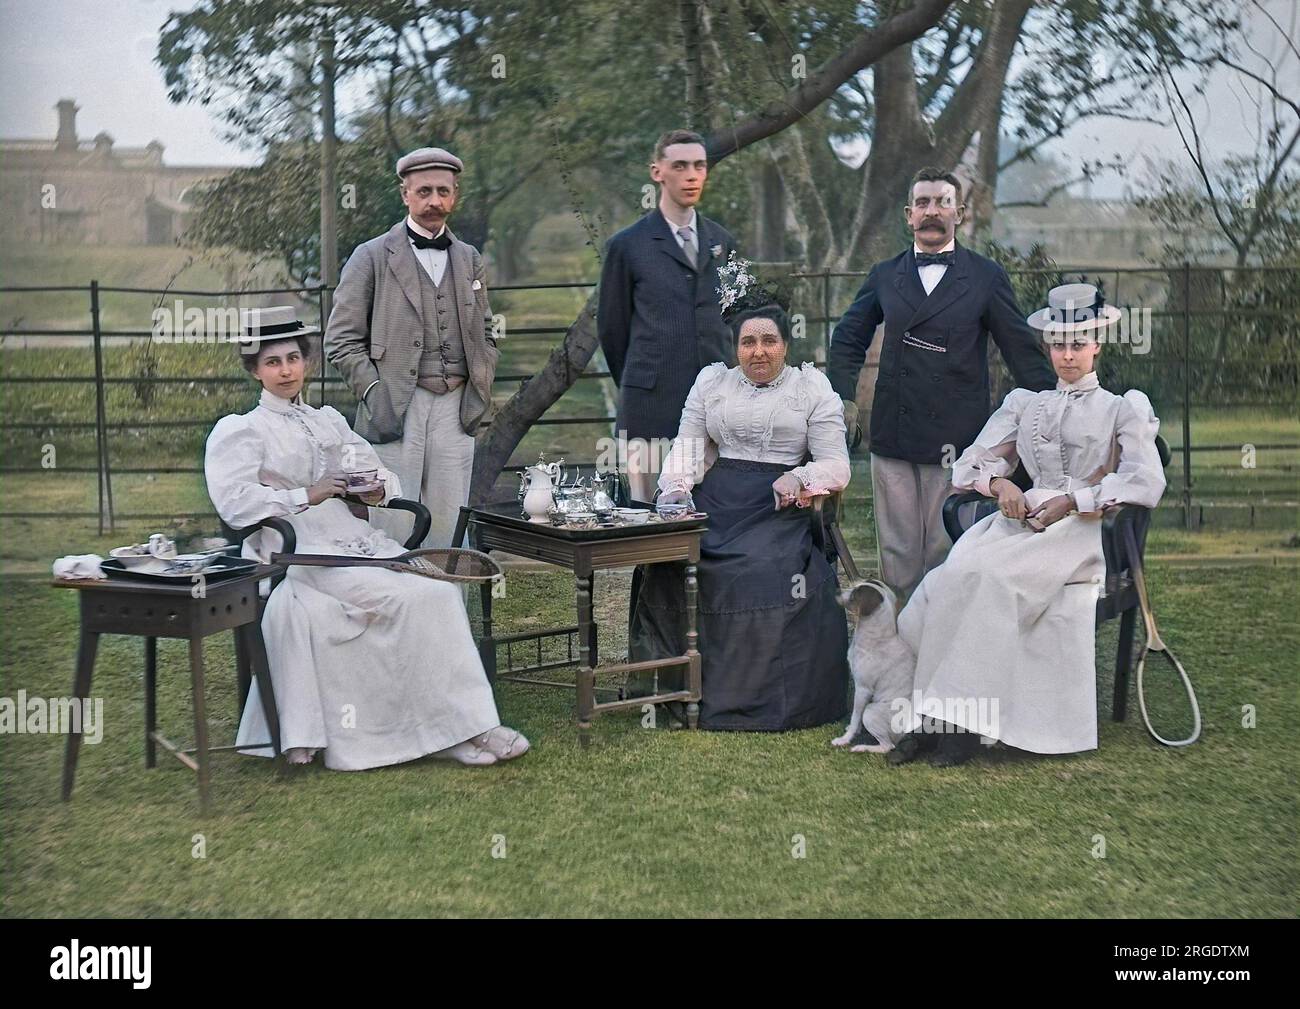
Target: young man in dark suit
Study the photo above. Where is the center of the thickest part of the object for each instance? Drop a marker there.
(658, 316)
(940, 303)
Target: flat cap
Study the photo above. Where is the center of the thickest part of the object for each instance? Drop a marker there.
(428, 157)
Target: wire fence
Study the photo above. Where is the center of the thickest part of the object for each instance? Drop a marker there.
(1177, 352)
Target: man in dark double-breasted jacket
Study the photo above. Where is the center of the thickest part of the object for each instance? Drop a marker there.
(658, 316)
(940, 303)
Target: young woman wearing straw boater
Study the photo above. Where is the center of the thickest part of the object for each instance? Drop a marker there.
(1005, 625)
(369, 665)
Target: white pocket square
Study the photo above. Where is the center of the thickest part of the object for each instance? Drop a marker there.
(716, 250)
(476, 286)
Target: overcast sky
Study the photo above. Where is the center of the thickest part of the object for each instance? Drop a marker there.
(101, 54)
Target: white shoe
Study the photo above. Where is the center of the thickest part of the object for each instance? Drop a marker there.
(300, 754)
(469, 752)
(503, 743)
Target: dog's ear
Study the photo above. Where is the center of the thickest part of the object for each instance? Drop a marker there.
(869, 599)
(862, 599)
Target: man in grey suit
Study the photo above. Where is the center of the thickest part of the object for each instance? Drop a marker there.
(411, 333)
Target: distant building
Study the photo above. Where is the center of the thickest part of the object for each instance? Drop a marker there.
(1084, 231)
(72, 191)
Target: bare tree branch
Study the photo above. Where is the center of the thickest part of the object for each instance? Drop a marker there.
(797, 102)
(1193, 149)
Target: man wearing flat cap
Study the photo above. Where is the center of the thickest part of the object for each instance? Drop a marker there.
(411, 333)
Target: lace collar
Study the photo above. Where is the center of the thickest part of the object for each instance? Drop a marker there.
(1085, 384)
(780, 378)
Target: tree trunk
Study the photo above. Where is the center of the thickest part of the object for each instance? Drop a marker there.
(536, 395)
(329, 230)
(769, 199)
(508, 251)
(688, 17)
(984, 188)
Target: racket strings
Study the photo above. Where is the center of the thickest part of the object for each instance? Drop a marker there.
(454, 564)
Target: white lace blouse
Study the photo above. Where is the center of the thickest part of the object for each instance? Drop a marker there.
(795, 415)
(1075, 439)
(259, 465)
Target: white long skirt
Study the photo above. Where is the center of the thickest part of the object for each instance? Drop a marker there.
(376, 667)
(1004, 634)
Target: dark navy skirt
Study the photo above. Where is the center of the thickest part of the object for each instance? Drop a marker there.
(772, 637)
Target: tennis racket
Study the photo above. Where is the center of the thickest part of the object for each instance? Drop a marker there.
(1154, 643)
(446, 564)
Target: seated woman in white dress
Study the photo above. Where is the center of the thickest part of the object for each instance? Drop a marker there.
(1003, 630)
(369, 665)
(772, 637)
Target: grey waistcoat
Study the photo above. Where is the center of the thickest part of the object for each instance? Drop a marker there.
(442, 358)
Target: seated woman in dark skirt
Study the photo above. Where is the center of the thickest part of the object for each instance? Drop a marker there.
(772, 637)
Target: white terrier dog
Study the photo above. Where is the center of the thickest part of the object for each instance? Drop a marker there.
(883, 669)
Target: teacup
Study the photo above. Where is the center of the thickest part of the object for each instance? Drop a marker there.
(363, 479)
(187, 563)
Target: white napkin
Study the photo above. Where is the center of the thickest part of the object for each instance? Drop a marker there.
(79, 566)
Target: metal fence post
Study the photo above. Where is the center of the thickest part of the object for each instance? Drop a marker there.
(826, 314)
(320, 307)
(103, 472)
(1187, 394)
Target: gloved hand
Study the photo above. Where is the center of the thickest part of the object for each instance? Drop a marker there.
(852, 429)
(786, 487)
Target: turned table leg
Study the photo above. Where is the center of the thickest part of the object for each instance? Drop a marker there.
(586, 670)
(692, 645)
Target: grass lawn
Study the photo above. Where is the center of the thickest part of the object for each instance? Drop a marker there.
(658, 822)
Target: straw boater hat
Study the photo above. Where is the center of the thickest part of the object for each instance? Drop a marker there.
(263, 325)
(281, 321)
(1074, 308)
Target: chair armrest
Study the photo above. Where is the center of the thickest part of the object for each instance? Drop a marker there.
(423, 520)
(824, 509)
(951, 514)
(288, 538)
(282, 526)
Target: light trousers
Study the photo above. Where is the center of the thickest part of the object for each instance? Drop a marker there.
(433, 459)
(907, 499)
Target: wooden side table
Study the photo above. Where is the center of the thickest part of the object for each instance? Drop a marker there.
(500, 527)
(165, 610)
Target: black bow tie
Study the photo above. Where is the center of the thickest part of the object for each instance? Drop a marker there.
(441, 242)
(934, 259)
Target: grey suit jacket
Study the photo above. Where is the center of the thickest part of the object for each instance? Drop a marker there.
(376, 331)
